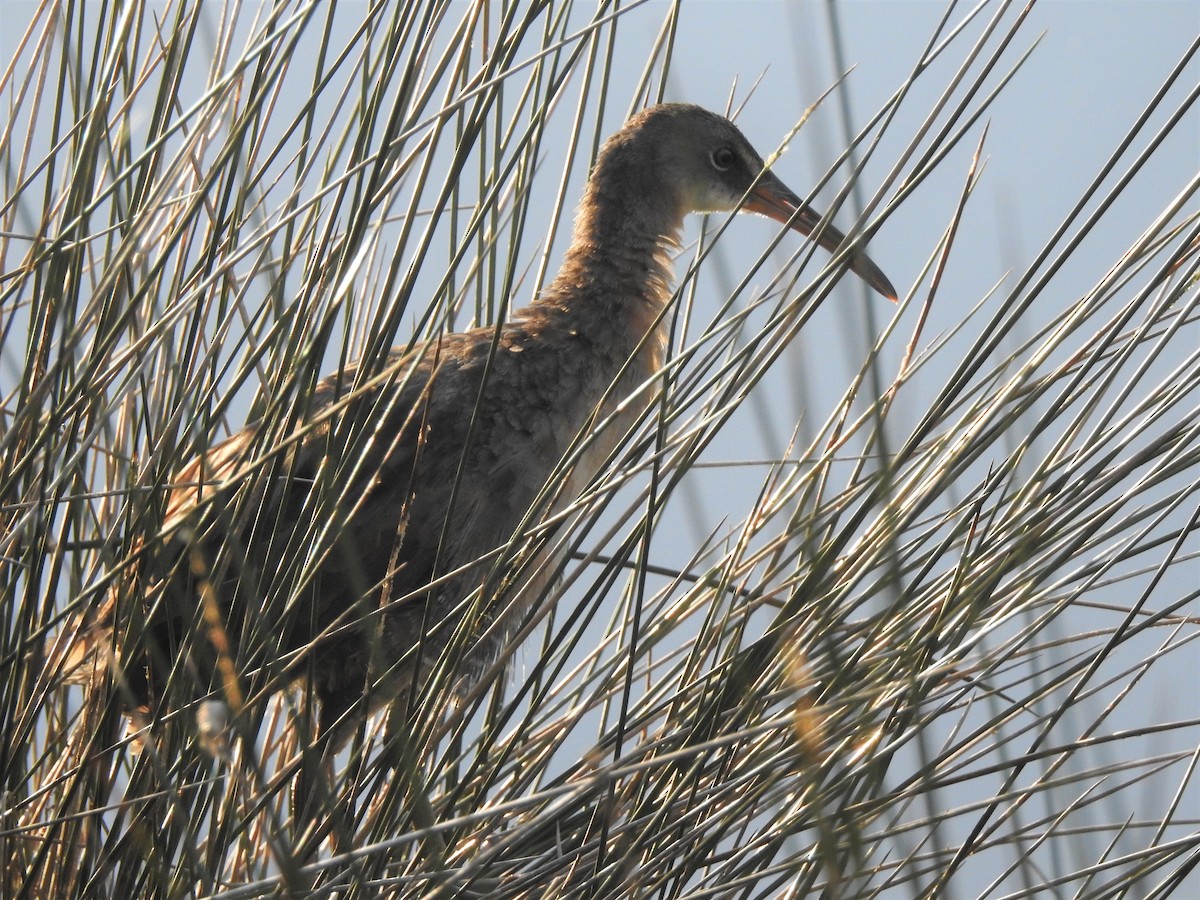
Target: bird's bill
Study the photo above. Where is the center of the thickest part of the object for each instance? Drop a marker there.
(772, 198)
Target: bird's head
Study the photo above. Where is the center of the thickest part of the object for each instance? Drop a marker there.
(681, 159)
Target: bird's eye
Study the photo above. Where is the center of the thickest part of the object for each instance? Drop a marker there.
(723, 158)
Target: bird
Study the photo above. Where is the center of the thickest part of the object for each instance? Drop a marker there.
(357, 552)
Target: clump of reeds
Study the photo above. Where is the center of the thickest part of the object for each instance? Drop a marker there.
(895, 669)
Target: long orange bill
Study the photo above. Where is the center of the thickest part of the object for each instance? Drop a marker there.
(772, 198)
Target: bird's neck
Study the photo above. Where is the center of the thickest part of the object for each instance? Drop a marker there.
(620, 259)
(616, 278)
